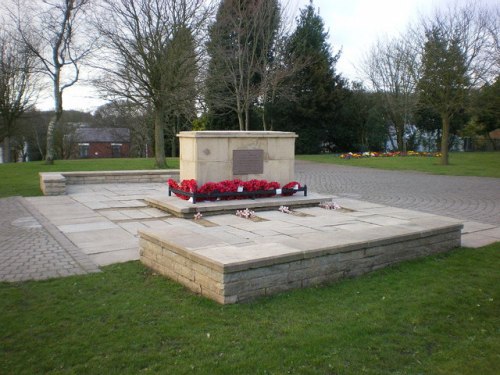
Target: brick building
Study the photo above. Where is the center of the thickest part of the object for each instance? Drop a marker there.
(101, 143)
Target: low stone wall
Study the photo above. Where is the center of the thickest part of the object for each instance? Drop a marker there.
(54, 183)
(231, 283)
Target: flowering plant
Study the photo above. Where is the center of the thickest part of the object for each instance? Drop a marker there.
(369, 154)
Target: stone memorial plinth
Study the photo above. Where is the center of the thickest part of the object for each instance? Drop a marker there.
(212, 156)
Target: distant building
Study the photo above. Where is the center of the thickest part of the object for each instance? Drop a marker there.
(101, 143)
(495, 134)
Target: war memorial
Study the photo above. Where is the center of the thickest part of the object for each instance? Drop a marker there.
(233, 246)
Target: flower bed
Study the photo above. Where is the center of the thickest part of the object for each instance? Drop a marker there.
(351, 155)
(231, 189)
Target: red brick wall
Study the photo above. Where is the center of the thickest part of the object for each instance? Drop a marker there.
(104, 150)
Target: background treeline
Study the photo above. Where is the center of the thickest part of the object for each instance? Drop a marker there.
(166, 66)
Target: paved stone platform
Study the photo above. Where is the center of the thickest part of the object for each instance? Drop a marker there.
(231, 259)
(101, 220)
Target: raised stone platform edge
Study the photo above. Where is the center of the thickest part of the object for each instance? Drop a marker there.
(185, 209)
(54, 183)
(242, 280)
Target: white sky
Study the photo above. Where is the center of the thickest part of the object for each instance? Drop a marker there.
(353, 25)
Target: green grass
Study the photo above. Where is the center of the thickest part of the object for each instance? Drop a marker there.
(482, 164)
(22, 178)
(438, 315)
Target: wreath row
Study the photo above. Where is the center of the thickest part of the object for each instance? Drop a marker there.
(232, 189)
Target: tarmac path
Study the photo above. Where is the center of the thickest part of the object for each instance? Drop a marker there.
(460, 197)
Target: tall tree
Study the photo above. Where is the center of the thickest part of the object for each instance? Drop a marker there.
(391, 67)
(444, 81)
(316, 88)
(149, 49)
(240, 48)
(460, 53)
(53, 31)
(360, 126)
(182, 81)
(17, 87)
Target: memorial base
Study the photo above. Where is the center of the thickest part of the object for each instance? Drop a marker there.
(236, 259)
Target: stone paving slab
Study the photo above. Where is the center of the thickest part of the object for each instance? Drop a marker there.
(116, 256)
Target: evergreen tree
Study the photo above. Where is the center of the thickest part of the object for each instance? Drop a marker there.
(316, 89)
(444, 81)
(486, 108)
(180, 84)
(360, 126)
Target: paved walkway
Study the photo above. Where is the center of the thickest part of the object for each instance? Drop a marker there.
(465, 198)
(95, 225)
(31, 248)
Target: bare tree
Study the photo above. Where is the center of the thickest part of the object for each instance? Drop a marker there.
(17, 86)
(276, 74)
(52, 30)
(391, 68)
(148, 58)
(241, 41)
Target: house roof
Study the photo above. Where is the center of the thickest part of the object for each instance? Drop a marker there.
(103, 135)
(495, 134)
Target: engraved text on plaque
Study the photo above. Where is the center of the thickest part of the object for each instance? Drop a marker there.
(248, 162)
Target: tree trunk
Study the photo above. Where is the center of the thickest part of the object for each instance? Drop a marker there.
(247, 119)
(240, 121)
(239, 111)
(6, 150)
(53, 124)
(54, 120)
(159, 140)
(400, 137)
(444, 138)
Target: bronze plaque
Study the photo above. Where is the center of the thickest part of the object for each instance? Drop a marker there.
(248, 162)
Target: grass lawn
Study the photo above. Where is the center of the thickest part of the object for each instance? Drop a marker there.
(22, 178)
(438, 315)
(483, 164)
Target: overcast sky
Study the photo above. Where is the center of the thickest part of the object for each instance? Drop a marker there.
(353, 25)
